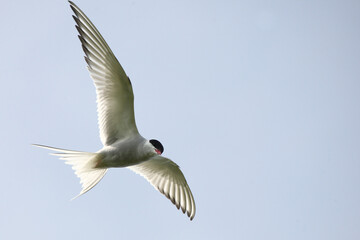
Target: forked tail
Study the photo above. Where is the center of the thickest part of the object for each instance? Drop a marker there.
(83, 163)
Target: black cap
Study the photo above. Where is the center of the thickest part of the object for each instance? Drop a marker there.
(157, 145)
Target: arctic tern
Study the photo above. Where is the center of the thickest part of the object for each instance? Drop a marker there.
(123, 145)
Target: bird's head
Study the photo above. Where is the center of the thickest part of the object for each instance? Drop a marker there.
(158, 147)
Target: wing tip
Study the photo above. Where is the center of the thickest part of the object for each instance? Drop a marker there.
(72, 6)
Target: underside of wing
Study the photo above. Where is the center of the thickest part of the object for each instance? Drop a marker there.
(166, 176)
(115, 98)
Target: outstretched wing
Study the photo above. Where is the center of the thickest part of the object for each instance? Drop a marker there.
(165, 175)
(115, 98)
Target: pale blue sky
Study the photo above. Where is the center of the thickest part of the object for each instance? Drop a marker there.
(257, 101)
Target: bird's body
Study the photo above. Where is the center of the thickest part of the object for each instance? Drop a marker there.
(123, 144)
(125, 152)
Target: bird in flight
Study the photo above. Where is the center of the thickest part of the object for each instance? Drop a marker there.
(123, 144)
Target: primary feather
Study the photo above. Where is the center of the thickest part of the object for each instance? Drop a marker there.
(166, 176)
